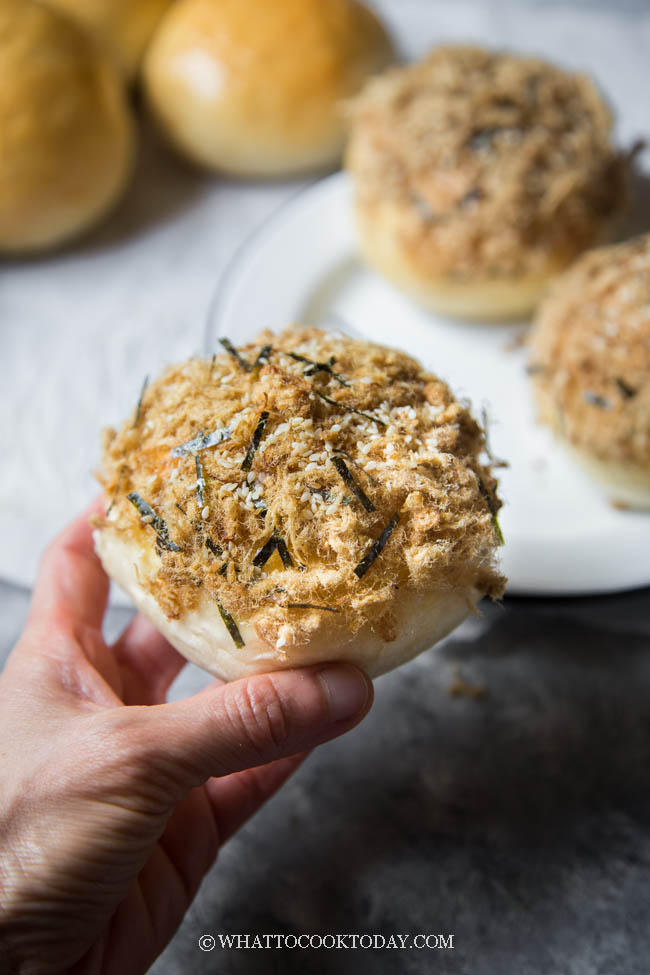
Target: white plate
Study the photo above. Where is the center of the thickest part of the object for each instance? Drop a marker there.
(562, 535)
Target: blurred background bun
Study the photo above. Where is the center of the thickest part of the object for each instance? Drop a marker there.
(254, 87)
(591, 366)
(480, 175)
(124, 26)
(66, 135)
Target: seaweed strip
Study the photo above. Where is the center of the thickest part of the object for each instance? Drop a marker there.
(327, 609)
(596, 399)
(266, 551)
(376, 548)
(157, 523)
(315, 367)
(229, 347)
(493, 511)
(350, 482)
(230, 625)
(138, 411)
(273, 542)
(201, 442)
(283, 552)
(200, 482)
(349, 409)
(255, 441)
(627, 390)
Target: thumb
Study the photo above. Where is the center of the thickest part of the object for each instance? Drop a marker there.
(230, 727)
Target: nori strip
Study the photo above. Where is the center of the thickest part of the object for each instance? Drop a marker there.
(327, 609)
(255, 442)
(348, 480)
(231, 626)
(283, 552)
(200, 482)
(349, 409)
(627, 390)
(229, 347)
(314, 367)
(263, 356)
(596, 399)
(376, 548)
(138, 410)
(492, 509)
(273, 542)
(266, 551)
(201, 442)
(157, 523)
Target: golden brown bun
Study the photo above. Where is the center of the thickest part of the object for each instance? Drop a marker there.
(254, 87)
(66, 136)
(345, 509)
(590, 365)
(124, 26)
(479, 176)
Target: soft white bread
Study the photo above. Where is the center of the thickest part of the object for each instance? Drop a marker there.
(66, 135)
(305, 498)
(590, 366)
(201, 635)
(254, 88)
(124, 26)
(479, 176)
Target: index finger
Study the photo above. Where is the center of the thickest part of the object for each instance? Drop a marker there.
(72, 587)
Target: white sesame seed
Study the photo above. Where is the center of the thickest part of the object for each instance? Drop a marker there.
(335, 428)
(331, 508)
(311, 467)
(205, 512)
(305, 496)
(147, 519)
(251, 477)
(371, 465)
(314, 456)
(282, 428)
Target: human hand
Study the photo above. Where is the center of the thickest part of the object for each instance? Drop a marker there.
(113, 803)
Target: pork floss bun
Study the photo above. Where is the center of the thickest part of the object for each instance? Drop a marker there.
(66, 136)
(310, 498)
(479, 176)
(253, 87)
(590, 365)
(124, 26)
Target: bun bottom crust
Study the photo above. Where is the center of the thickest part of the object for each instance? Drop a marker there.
(478, 299)
(421, 620)
(625, 483)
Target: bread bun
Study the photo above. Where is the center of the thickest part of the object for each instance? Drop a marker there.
(66, 136)
(479, 176)
(124, 26)
(253, 88)
(590, 365)
(310, 498)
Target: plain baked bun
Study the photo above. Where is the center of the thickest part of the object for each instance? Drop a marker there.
(66, 135)
(590, 365)
(124, 26)
(253, 87)
(478, 176)
(308, 497)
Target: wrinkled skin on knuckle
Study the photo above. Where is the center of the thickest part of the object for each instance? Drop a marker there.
(259, 716)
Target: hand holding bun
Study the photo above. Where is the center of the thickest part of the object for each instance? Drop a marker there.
(253, 87)
(591, 366)
(124, 26)
(305, 498)
(66, 136)
(479, 176)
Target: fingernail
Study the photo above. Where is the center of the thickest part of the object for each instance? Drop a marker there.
(346, 689)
